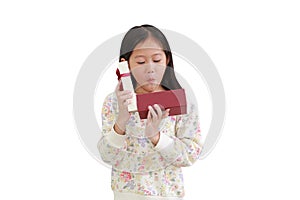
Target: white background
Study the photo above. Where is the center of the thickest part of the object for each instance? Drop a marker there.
(255, 46)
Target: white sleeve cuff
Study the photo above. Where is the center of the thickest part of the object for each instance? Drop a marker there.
(116, 139)
(163, 142)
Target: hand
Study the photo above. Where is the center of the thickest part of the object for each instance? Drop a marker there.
(154, 119)
(123, 102)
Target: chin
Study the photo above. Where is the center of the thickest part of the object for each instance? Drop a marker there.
(151, 88)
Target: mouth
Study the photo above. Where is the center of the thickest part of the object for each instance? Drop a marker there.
(151, 80)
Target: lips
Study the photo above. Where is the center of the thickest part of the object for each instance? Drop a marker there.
(151, 80)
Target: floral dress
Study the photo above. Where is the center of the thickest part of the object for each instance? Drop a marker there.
(140, 168)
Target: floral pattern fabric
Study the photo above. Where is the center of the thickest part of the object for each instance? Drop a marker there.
(137, 165)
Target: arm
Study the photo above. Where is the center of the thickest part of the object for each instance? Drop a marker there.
(184, 148)
(114, 149)
(111, 145)
(115, 115)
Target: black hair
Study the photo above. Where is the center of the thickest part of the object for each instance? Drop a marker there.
(139, 34)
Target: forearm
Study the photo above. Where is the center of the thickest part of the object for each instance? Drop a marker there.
(180, 152)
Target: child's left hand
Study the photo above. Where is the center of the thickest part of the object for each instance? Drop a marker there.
(154, 119)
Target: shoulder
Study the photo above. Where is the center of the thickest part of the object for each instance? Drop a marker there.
(111, 97)
(110, 100)
(109, 106)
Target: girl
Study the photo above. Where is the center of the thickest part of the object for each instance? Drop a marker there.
(147, 154)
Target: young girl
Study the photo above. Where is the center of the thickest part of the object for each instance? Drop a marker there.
(146, 155)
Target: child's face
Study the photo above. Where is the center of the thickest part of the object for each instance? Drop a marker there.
(147, 64)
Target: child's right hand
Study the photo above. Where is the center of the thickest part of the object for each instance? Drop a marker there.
(123, 102)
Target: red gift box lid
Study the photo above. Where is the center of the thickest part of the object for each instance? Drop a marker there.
(173, 99)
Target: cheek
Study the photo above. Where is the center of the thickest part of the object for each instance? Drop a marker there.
(137, 73)
(161, 71)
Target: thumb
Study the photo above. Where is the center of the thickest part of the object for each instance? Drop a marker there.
(118, 86)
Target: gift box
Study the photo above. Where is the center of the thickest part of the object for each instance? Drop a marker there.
(124, 75)
(175, 100)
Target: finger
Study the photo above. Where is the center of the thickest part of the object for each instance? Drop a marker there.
(153, 113)
(125, 92)
(125, 106)
(166, 114)
(125, 96)
(122, 92)
(148, 118)
(127, 102)
(158, 110)
(124, 103)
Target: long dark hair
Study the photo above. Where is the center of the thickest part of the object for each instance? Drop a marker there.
(139, 34)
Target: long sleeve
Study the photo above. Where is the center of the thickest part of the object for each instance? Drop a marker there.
(111, 145)
(134, 153)
(125, 152)
(184, 148)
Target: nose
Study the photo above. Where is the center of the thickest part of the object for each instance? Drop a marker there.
(150, 68)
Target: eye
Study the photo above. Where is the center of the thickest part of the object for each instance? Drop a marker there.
(140, 63)
(156, 60)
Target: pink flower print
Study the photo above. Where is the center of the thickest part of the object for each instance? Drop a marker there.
(161, 158)
(117, 163)
(126, 176)
(141, 168)
(147, 192)
(198, 128)
(165, 179)
(175, 187)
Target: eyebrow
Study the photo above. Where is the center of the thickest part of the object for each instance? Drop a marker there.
(144, 56)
